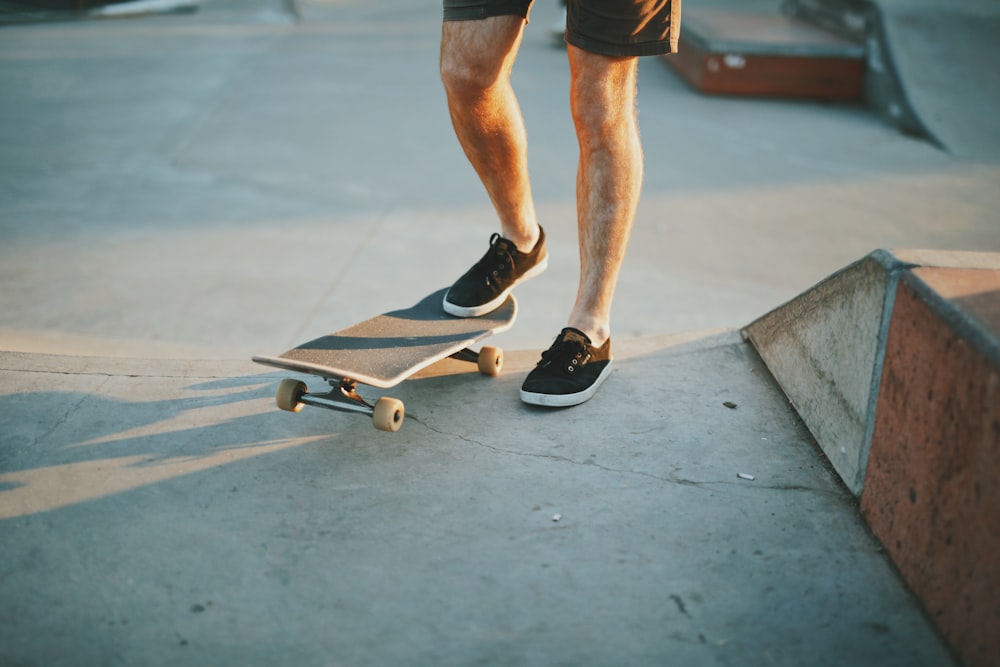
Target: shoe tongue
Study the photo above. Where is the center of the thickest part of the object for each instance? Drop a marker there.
(571, 334)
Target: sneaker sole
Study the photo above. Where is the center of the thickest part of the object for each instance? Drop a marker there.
(566, 400)
(489, 307)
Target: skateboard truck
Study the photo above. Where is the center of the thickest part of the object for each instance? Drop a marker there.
(387, 413)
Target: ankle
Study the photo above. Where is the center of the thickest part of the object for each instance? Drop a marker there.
(524, 241)
(598, 334)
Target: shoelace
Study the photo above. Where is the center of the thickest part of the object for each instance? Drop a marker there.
(498, 259)
(571, 352)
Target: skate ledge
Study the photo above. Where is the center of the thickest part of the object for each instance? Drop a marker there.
(893, 363)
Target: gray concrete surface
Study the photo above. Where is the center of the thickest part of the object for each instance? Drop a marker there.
(163, 512)
(227, 183)
(824, 349)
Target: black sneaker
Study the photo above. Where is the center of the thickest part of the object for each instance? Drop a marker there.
(486, 285)
(569, 373)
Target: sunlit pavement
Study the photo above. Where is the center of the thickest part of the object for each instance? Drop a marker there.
(164, 512)
(216, 185)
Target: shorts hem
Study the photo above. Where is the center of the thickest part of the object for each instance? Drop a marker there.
(484, 10)
(658, 48)
(470, 14)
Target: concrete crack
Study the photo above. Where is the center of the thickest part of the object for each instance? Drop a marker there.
(73, 409)
(563, 459)
(669, 479)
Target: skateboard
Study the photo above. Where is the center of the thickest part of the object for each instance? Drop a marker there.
(383, 351)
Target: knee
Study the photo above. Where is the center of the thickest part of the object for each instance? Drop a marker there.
(464, 78)
(598, 117)
(477, 56)
(602, 93)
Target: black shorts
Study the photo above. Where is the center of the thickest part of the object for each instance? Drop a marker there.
(610, 27)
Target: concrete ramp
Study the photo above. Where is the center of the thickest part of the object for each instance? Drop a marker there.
(894, 365)
(932, 67)
(948, 63)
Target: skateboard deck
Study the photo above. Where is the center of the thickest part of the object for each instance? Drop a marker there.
(385, 350)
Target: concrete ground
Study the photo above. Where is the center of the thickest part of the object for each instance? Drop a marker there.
(178, 193)
(163, 512)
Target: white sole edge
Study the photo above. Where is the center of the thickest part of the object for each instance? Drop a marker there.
(566, 400)
(487, 308)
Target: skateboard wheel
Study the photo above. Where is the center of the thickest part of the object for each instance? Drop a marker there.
(288, 395)
(490, 360)
(388, 414)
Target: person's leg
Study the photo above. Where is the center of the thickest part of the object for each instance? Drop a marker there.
(604, 39)
(609, 176)
(609, 179)
(476, 62)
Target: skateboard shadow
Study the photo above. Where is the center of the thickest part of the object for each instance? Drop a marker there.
(338, 342)
(428, 309)
(426, 324)
(69, 448)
